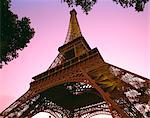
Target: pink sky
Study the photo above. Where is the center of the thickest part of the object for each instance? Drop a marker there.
(121, 35)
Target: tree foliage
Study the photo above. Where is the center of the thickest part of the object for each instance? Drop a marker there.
(15, 33)
(87, 5)
(137, 4)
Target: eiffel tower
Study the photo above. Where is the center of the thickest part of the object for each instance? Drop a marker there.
(79, 83)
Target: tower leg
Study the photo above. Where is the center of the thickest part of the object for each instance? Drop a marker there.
(105, 96)
(111, 110)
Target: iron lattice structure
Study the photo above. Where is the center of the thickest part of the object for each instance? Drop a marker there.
(79, 83)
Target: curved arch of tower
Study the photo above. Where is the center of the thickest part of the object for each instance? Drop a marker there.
(80, 83)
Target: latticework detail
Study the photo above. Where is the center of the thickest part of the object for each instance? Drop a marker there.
(80, 84)
(74, 30)
(73, 33)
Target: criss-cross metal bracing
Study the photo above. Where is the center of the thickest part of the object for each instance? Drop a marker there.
(79, 83)
(74, 80)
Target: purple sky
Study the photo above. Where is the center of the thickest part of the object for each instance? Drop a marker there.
(121, 35)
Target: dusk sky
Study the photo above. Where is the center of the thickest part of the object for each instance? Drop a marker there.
(121, 35)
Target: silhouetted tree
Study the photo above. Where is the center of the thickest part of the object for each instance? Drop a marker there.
(14, 35)
(87, 5)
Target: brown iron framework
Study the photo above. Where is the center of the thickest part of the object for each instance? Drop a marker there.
(80, 83)
(73, 72)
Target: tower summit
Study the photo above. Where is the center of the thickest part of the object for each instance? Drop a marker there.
(74, 35)
(74, 28)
